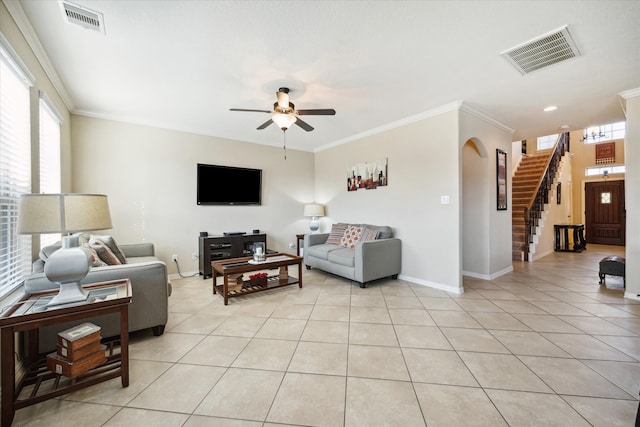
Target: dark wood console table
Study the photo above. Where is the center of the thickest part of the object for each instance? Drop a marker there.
(28, 315)
(218, 248)
(562, 243)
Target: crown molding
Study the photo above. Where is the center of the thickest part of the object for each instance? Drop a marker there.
(393, 125)
(24, 25)
(626, 95)
(479, 115)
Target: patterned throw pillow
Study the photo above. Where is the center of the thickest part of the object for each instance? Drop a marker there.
(97, 261)
(368, 234)
(351, 236)
(110, 243)
(105, 253)
(337, 231)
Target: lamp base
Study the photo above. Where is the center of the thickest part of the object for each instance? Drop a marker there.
(71, 292)
(314, 224)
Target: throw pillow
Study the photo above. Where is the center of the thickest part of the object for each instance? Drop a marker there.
(368, 234)
(109, 242)
(351, 236)
(104, 253)
(337, 231)
(97, 261)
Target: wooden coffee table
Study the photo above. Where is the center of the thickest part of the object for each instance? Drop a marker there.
(239, 266)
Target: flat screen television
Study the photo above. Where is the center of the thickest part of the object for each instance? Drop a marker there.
(226, 185)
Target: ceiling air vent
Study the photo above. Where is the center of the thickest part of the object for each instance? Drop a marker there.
(86, 18)
(547, 49)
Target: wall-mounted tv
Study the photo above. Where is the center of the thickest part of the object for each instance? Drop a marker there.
(226, 185)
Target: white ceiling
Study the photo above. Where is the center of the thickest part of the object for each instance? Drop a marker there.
(183, 64)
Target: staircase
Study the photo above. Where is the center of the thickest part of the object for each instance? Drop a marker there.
(524, 185)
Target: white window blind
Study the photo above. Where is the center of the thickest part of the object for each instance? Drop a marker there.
(15, 167)
(50, 173)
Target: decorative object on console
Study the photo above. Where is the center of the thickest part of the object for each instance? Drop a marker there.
(314, 211)
(367, 175)
(259, 252)
(65, 213)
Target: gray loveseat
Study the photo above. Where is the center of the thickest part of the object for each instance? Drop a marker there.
(367, 261)
(150, 288)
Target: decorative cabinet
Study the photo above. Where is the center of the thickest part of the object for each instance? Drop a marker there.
(216, 248)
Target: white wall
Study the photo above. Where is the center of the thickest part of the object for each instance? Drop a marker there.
(632, 196)
(423, 165)
(475, 211)
(489, 136)
(149, 175)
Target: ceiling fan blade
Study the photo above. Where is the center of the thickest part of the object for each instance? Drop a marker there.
(252, 111)
(317, 112)
(265, 124)
(304, 125)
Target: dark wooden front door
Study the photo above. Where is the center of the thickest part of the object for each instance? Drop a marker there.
(605, 212)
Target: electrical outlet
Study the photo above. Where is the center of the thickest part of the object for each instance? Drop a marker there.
(174, 258)
(194, 256)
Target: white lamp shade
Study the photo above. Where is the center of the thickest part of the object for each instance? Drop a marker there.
(63, 213)
(284, 121)
(313, 210)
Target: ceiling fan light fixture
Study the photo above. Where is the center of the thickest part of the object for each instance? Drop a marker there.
(284, 121)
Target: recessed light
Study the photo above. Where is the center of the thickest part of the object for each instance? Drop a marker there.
(564, 127)
(551, 108)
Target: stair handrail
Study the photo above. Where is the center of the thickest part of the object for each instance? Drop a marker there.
(533, 209)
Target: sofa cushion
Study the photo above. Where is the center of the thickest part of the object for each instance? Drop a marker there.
(384, 232)
(336, 233)
(343, 256)
(369, 234)
(321, 251)
(351, 236)
(109, 242)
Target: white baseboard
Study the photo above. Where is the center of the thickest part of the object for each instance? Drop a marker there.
(441, 286)
(632, 295)
(488, 276)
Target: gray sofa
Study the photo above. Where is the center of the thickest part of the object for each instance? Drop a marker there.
(369, 260)
(150, 288)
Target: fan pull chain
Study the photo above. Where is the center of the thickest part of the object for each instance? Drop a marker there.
(284, 147)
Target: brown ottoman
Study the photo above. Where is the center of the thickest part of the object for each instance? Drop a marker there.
(613, 266)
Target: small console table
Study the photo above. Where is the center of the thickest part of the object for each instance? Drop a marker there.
(31, 313)
(218, 248)
(562, 238)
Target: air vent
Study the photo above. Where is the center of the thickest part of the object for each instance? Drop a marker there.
(86, 18)
(548, 49)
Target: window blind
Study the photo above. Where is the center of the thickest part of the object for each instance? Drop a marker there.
(50, 173)
(15, 168)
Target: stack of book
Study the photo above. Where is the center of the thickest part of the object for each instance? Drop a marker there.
(78, 351)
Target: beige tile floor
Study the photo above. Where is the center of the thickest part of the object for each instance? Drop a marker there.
(544, 345)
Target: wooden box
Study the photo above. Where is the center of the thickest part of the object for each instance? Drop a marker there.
(72, 354)
(79, 336)
(62, 366)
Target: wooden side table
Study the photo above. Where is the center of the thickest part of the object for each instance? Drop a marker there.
(299, 238)
(28, 315)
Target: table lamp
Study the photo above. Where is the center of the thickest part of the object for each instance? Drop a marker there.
(314, 211)
(65, 214)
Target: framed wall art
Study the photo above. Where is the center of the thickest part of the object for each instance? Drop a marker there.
(367, 175)
(501, 179)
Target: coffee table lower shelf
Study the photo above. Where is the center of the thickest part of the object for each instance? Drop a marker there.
(250, 287)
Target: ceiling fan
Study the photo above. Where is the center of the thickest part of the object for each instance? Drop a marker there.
(285, 113)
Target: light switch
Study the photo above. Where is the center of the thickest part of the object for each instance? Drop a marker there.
(444, 200)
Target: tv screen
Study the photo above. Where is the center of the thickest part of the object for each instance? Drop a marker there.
(225, 185)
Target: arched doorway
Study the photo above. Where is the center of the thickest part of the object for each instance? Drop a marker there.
(475, 209)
